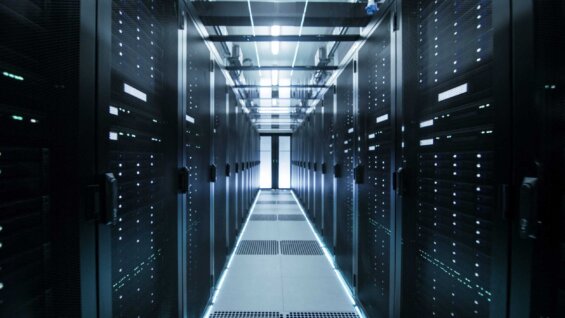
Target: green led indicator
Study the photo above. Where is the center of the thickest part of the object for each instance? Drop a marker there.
(13, 76)
(16, 117)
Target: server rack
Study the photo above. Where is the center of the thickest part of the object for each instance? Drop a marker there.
(318, 159)
(343, 171)
(457, 158)
(377, 210)
(220, 134)
(47, 242)
(196, 156)
(136, 148)
(328, 144)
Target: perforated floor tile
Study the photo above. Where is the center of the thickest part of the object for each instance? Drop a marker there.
(246, 314)
(258, 247)
(322, 315)
(263, 217)
(301, 248)
(291, 217)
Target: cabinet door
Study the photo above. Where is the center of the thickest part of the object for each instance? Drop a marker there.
(137, 145)
(377, 197)
(455, 235)
(345, 157)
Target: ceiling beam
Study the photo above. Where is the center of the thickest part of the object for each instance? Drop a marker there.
(282, 68)
(281, 86)
(285, 38)
(319, 14)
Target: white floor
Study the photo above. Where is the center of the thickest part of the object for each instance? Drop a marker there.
(282, 284)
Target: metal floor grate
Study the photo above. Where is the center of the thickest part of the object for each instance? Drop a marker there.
(258, 247)
(322, 315)
(263, 217)
(301, 248)
(291, 217)
(246, 314)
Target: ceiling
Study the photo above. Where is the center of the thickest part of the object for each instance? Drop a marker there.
(278, 92)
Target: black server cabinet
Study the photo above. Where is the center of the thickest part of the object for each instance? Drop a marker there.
(538, 241)
(220, 135)
(457, 158)
(230, 171)
(42, 225)
(137, 146)
(318, 177)
(343, 169)
(196, 156)
(327, 169)
(377, 197)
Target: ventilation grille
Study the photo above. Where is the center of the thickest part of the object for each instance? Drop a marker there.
(291, 217)
(322, 315)
(300, 248)
(246, 314)
(263, 217)
(256, 247)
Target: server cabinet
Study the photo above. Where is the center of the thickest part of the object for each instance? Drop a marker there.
(377, 197)
(42, 224)
(232, 169)
(318, 177)
(328, 230)
(136, 144)
(537, 279)
(196, 156)
(454, 229)
(343, 169)
(220, 135)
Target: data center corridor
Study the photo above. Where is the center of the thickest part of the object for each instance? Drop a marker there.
(280, 266)
(282, 158)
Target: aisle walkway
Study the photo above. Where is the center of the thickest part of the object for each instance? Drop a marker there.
(279, 268)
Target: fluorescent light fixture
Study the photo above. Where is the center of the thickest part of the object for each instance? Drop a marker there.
(275, 30)
(274, 110)
(284, 92)
(309, 110)
(275, 77)
(274, 102)
(275, 47)
(265, 90)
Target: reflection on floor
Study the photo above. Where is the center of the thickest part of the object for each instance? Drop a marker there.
(279, 268)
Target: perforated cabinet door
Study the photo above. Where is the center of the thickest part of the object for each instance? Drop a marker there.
(376, 194)
(39, 172)
(137, 143)
(455, 234)
(345, 156)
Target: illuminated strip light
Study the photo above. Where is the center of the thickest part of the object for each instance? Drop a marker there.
(372, 136)
(450, 93)
(427, 123)
(427, 142)
(135, 92)
(13, 76)
(299, 35)
(382, 118)
(372, 148)
(228, 266)
(189, 119)
(329, 258)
